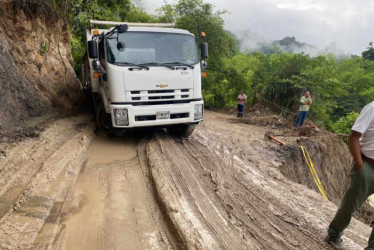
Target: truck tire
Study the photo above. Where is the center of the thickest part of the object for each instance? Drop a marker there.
(103, 120)
(182, 130)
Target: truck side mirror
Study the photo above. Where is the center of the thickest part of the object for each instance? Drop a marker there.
(123, 28)
(93, 51)
(204, 51)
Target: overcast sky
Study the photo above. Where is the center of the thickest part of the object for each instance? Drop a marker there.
(348, 23)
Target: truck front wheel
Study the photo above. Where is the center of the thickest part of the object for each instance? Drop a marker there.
(103, 120)
(182, 130)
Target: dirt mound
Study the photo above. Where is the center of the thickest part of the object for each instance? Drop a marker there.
(263, 115)
(36, 70)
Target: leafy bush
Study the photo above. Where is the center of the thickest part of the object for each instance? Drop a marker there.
(344, 124)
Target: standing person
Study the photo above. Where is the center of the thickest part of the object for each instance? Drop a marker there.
(305, 103)
(362, 176)
(241, 100)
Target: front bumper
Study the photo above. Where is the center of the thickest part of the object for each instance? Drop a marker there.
(145, 116)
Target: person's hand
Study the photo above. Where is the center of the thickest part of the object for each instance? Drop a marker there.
(358, 165)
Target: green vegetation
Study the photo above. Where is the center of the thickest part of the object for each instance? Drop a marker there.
(44, 47)
(338, 87)
(344, 124)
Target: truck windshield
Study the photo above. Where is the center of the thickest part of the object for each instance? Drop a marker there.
(152, 47)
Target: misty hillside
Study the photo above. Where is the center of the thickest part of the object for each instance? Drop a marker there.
(252, 42)
(289, 44)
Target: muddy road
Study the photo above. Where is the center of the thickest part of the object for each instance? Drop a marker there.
(220, 189)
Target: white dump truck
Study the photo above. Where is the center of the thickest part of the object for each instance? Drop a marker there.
(142, 74)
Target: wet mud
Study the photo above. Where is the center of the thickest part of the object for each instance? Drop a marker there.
(225, 187)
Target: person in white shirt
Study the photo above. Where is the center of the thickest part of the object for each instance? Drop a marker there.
(361, 146)
(241, 100)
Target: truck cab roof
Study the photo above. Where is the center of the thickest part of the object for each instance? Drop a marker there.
(147, 29)
(137, 27)
(162, 30)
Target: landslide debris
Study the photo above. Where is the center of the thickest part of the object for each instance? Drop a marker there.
(36, 69)
(228, 188)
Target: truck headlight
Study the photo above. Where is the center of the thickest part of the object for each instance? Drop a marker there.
(198, 112)
(121, 117)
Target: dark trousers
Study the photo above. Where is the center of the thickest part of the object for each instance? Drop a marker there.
(361, 187)
(301, 118)
(240, 110)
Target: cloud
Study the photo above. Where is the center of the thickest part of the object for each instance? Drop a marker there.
(348, 23)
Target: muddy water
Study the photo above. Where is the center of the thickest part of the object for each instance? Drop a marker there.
(108, 149)
(111, 206)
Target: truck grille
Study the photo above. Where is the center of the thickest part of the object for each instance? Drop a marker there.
(157, 95)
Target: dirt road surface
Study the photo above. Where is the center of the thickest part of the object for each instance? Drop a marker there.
(220, 189)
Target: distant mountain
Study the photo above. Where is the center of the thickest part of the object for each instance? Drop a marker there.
(290, 45)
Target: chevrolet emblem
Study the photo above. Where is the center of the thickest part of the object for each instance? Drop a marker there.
(161, 85)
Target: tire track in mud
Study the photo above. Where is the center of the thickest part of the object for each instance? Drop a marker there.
(21, 173)
(222, 189)
(112, 206)
(39, 174)
(196, 201)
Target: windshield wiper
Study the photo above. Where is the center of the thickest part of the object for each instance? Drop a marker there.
(182, 64)
(132, 64)
(158, 64)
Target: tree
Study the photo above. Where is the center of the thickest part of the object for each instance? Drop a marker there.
(369, 53)
(167, 14)
(195, 16)
(80, 12)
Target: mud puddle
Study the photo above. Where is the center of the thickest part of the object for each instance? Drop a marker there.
(111, 206)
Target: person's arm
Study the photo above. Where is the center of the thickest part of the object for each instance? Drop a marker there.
(362, 123)
(301, 101)
(310, 101)
(355, 149)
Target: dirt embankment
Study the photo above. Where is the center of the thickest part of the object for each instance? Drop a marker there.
(36, 69)
(331, 160)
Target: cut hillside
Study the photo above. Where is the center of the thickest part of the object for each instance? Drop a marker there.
(36, 69)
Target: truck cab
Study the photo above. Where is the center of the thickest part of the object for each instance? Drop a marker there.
(142, 75)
